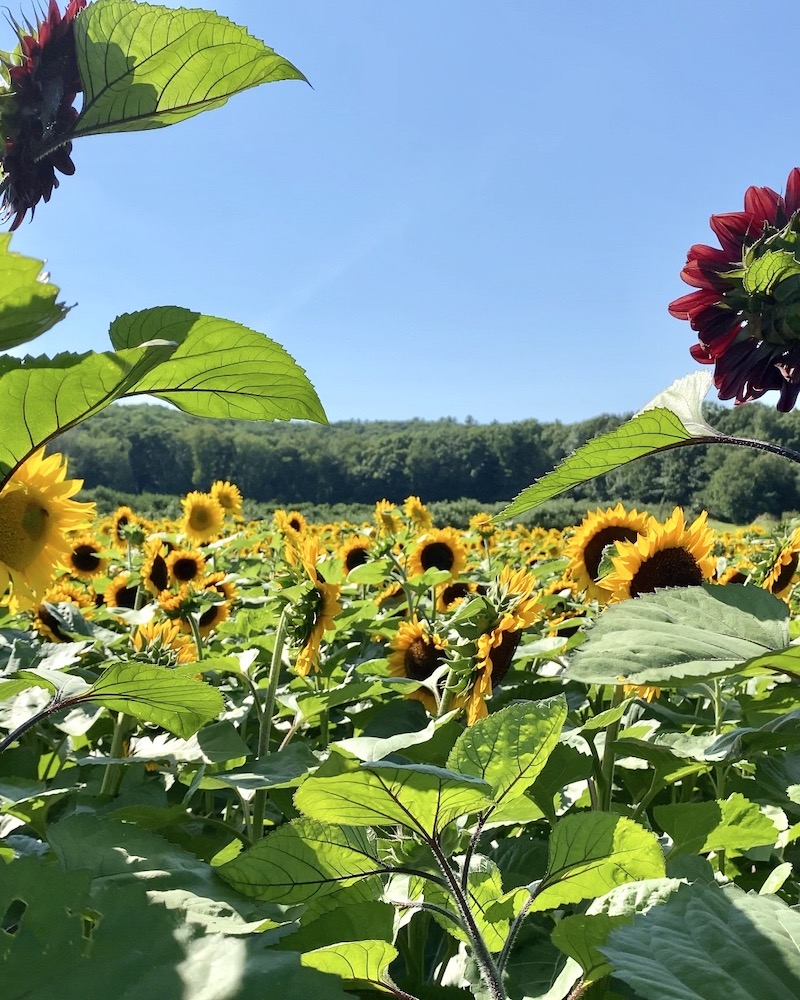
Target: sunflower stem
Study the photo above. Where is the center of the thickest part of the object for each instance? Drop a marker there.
(607, 764)
(112, 779)
(265, 721)
(194, 625)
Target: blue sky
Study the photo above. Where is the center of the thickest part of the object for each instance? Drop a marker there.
(479, 209)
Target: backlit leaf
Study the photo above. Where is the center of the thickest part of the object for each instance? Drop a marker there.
(156, 694)
(220, 369)
(362, 963)
(303, 859)
(733, 825)
(668, 421)
(144, 66)
(510, 748)
(28, 304)
(39, 397)
(417, 796)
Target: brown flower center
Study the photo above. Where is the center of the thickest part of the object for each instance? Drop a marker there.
(437, 555)
(502, 655)
(675, 567)
(785, 575)
(159, 574)
(185, 569)
(85, 558)
(599, 542)
(355, 557)
(421, 659)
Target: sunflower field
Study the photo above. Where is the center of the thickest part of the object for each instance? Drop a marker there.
(246, 757)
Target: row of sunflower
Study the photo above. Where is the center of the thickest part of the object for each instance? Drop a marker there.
(440, 615)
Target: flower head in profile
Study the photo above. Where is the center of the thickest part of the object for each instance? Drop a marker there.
(781, 574)
(416, 654)
(666, 555)
(37, 113)
(36, 514)
(315, 610)
(746, 307)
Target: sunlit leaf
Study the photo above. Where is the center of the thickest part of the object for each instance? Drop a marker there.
(220, 368)
(669, 420)
(417, 796)
(510, 748)
(362, 963)
(144, 66)
(28, 304)
(303, 859)
(156, 694)
(39, 397)
(733, 825)
(680, 636)
(710, 942)
(484, 886)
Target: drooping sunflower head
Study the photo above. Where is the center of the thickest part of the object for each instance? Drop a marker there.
(155, 572)
(185, 565)
(482, 524)
(37, 111)
(228, 496)
(781, 574)
(591, 540)
(85, 560)
(223, 587)
(36, 515)
(745, 307)
(440, 548)
(127, 528)
(417, 654)
(387, 518)
(494, 655)
(203, 517)
(667, 555)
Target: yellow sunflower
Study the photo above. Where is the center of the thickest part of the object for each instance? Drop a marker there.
(451, 594)
(323, 608)
(60, 593)
(291, 524)
(185, 565)
(36, 513)
(416, 653)
(387, 518)
(203, 517)
(127, 527)
(355, 552)
(85, 560)
(482, 524)
(118, 594)
(228, 496)
(440, 548)
(667, 555)
(164, 641)
(419, 515)
(592, 537)
(781, 574)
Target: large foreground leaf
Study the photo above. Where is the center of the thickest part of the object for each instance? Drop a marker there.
(28, 304)
(706, 942)
(156, 694)
(672, 419)
(510, 748)
(220, 369)
(144, 67)
(303, 859)
(681, 636)
(39, 397)
(360, 963)
(417, 796)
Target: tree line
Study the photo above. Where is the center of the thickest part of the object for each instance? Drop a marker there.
(157, 450)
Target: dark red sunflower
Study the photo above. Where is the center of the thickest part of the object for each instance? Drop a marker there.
(746, 307)
(37, 114)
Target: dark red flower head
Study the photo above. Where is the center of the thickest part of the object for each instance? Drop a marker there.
(746, 303)
(37, 113)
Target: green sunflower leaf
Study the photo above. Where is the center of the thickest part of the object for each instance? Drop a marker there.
(219, 369)
(156, 694)
(509, 748)
(589, 854)
(672, 419)
(360, 963)
(28, 304)
(417, 796)
(733, 825)
(301, 860)
(707, 941)
(681, 636)
(145, 67)
(40, 397)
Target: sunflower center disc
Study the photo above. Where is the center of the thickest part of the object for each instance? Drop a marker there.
(421, 659)
(668, 568)
(23, 529)
(437, 555)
